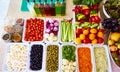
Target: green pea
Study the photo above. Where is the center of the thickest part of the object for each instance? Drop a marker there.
(52, 58)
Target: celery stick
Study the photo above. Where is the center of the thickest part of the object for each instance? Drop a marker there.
(69, 31)
(61, 31)
(66, 31)
(72, 33)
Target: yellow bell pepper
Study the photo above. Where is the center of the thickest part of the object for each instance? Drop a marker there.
(81, 17)
(85, 7)
(96, 14)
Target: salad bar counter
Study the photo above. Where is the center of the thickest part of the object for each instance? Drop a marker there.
(84, 39)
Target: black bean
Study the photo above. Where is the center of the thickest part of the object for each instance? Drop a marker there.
(36, 57)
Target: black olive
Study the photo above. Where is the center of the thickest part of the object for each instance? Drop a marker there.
(36, 57)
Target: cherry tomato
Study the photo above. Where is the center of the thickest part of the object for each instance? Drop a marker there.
(34, 29)
(100, 40)
(101, 30)
(86, 40)
(78, 31)
(83, 29)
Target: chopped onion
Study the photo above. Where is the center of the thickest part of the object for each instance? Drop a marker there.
(51, 35)
(50, 28)
(47, 35)
(47, 30)
(47, 25)
(55, 38)
(51, 25)
(55, 29)
(55, 33)
(56, 24)
(51, 21)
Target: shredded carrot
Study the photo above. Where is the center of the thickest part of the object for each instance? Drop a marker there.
(84, 59)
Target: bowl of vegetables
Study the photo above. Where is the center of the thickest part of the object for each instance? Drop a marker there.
(114, 47)
(111, 8)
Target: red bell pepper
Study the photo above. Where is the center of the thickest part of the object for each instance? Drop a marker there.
(95, 19)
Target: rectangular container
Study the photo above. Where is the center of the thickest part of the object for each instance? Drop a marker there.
(67, 44)
(61, 30)
(59, 57)
(58, 36)
(107, 54)
(92, 58)
(23, 38)
(81, 32)
(4, 68)
(43, 57)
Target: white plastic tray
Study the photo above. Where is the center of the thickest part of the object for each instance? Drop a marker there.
(59, 57)
(43, 57)
(92, 58)
(24, 29)
(71, 44)
(74, 20)
(58, 36)
(73, 31)
(107, 54)
(4, 68)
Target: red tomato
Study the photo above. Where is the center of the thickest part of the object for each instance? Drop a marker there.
(88, 29)
(78, 31)
(100, 40)
(86, 41)
(83, 29)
